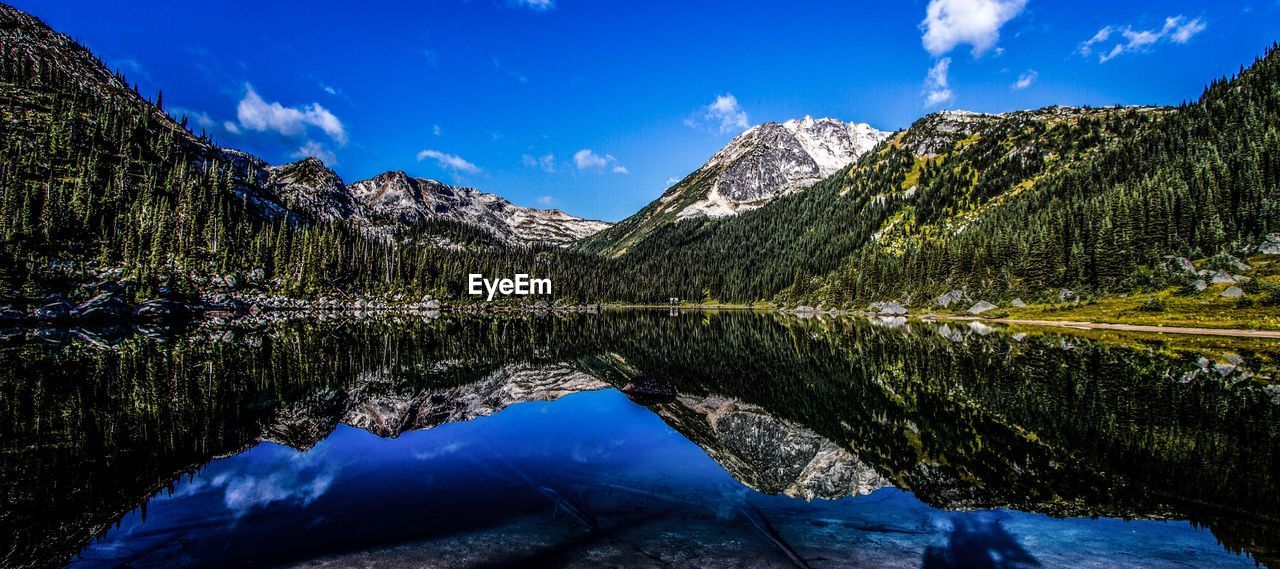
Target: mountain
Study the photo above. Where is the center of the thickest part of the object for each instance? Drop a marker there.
(764, 162)
(307, 191)
(769, 454)
(29, 45)
(308, 186)
(1019, 204)
(98, 180)
(394, 200)
(764, 452)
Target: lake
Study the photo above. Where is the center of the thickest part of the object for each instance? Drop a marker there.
(636, 438)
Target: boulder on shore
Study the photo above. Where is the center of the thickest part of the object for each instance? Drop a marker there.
(1222, 277)
(1270, 245)
(1200, 285)
(947, 299)
(1178, 264)
(980, 307)
(161, 310)
(54, 312)
(1017, 303)
(104, 307)
(1233, 262)
(1233, 292)
(891, 308)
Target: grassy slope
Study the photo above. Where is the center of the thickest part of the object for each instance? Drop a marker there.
(1206, 309)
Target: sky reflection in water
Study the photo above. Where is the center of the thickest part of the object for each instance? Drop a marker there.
(589, 478)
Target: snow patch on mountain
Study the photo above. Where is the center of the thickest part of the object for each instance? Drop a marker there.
(774, 159)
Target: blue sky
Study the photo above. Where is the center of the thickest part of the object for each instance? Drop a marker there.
(595, 106)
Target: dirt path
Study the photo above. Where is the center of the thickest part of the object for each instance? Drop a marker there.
(1233, 332)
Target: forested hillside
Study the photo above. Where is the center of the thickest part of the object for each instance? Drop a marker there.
(1015, 204)
(99, 182)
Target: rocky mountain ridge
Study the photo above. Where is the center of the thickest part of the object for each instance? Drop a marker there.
(775, 159)
(765, 453)
(300, 192)
(764, 162)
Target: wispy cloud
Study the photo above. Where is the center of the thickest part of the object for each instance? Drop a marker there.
(1176, 30)
(1026, 79)
(546, 162)
(449, 161)
(314, 149)
(937, 84)
(198, 118)
(133, 69)
(519, 76)
(256, 114)
(722, 115)
(546, 201)
(951, 23)
(587, 159)
(535, 5)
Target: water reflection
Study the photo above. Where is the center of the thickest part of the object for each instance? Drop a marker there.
(636, 438)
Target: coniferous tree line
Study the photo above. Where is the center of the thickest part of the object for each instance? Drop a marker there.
(1032, 202)
(93, 180)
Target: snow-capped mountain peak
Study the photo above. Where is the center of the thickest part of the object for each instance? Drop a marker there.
(773, 159)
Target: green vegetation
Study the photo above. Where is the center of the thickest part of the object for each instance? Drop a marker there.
(1180, 305)
(1016, 205)
(94, 178)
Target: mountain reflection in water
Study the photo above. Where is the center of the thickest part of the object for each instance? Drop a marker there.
(636, 438)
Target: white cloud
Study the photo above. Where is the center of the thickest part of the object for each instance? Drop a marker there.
(231, 127)
(512, 73)
(434, 453)
(1185, 31)
(1176, 29)
(546, 200)
(586, 159)
(436, 130)
(723, 115)
(449, 161)
(547, 162)
(937, 87)
(256, 114)
(950, 23)
(199, 118)
(330, 90)
(1026, 79)
(1102, 35)
(314, 149)
(535, 5)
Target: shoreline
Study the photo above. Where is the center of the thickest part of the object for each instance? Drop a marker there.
(309, 308)
(1084, 325)
(1074, 324)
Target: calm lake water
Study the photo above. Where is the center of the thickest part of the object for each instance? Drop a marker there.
(636, 438)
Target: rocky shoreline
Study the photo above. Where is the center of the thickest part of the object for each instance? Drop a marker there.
(110, 308)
